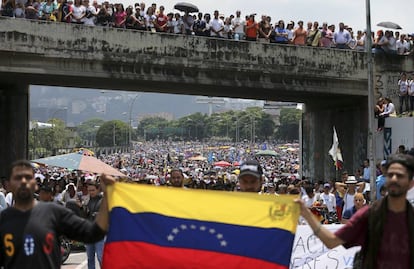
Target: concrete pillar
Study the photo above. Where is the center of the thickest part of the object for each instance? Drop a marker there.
(351, 125)
(14, 124)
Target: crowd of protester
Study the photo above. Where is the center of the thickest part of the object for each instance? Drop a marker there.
(154, 18)
(214, 167)
(204, 167)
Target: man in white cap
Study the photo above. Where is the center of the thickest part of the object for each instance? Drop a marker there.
(349, 188)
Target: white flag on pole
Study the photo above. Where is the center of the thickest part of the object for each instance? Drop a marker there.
(335, 151)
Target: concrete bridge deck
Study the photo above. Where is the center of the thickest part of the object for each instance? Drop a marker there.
(332, 83)
(75, 55)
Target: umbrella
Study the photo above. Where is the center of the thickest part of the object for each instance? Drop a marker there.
(388, 24)
(186, 7)
(222, 164)
(76, 161)
(292, 149)
(236, 172)
(266, 152)
(84, 151)
(197, 158)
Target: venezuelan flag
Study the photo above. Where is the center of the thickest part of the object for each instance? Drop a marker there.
(156, 227)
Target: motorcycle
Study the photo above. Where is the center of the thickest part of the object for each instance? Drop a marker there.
(65, 247)
(324, 216)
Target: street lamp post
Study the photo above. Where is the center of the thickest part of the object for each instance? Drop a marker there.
(113, 135)
(58, 110)
(371, 97)
(54, 124)
(237, 130)
(252, 128)
(137, 96)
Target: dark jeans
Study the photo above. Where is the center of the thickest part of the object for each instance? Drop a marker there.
(342, 46)
(403, 99)
(411, 103)
(381, 122)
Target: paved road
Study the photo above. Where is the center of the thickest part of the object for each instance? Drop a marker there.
(78, 260)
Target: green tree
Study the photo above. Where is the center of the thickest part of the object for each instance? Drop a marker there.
(153, 127)
(266, 126)
(195, 124)
(113, 133)
(48, 140)
(87, 130)
(289, 124)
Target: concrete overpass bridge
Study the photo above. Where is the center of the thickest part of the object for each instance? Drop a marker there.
(332, 83)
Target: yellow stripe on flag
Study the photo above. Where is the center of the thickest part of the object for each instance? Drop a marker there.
(246, 209)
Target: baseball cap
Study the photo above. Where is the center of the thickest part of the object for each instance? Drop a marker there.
(251, 167)
(46, 188)
(383, 162)
(326, 185)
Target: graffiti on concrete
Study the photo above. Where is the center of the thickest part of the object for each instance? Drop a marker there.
(386, 85)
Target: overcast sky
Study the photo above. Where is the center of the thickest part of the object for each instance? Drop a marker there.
(351, 12)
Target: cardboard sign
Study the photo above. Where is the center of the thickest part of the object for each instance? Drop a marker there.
(309, 253)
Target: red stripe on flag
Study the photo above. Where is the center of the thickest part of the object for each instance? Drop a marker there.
(143, 255)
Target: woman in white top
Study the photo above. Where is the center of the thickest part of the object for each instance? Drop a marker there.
(389, 109)
(149, 19)
(78, 12)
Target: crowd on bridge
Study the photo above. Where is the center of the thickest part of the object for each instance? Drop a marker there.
(236, 26)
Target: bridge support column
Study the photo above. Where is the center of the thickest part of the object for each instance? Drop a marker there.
(14, 124)
(351, 123)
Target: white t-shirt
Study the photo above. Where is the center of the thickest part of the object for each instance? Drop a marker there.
(411, 87)
(90, 19)
(403, 87)
(309, 201)
(3, 203)
(330, 201)
(401, 46)
(178, 26)
(9, 199)
(216, 24)
(77, 12)
(238, 25)
(348, 202)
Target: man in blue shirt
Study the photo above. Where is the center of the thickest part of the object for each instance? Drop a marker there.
(381, 179)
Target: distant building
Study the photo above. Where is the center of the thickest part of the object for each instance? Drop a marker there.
(273, 108)
(163, 115)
